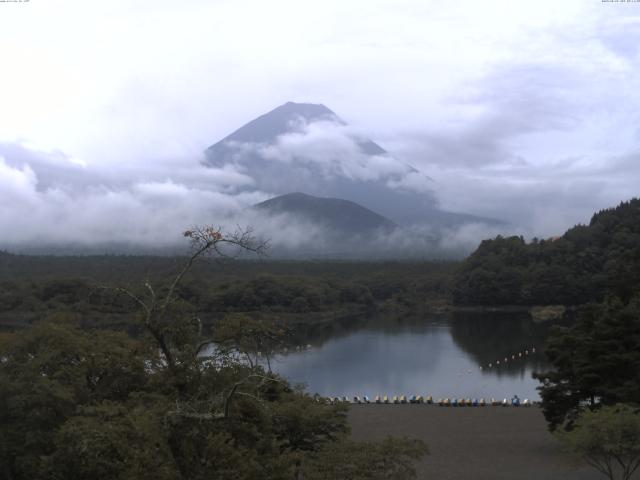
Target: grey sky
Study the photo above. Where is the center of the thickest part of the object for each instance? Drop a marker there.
(526, 111)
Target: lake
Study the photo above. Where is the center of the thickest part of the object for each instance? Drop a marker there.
(451, 355)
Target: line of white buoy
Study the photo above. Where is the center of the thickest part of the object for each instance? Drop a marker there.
(515, 356)
(443, 402)
(297, 348)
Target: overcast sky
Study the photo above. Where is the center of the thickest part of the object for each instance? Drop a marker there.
(527, 111)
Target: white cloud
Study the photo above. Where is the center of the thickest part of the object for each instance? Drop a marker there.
(517, 110)
(96, 209)
(333, 150)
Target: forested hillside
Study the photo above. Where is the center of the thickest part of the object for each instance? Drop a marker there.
(583, 265)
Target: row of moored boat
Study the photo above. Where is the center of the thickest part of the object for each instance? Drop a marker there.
(429, 400)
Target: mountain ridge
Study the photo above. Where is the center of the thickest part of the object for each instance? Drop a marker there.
(344, 217)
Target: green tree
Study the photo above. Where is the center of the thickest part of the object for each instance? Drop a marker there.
(596, 360)
(608, 439)
(46, 373)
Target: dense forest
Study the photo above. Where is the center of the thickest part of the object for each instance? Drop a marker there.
(584, 265)
(32, 287)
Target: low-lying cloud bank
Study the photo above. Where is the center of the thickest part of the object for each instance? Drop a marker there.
(50, 202)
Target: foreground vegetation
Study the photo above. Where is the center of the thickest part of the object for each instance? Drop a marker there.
(591, 397)
(78, 403)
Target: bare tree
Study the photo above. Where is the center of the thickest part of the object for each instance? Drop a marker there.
(156, 304)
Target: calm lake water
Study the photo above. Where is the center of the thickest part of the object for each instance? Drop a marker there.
(439, 356)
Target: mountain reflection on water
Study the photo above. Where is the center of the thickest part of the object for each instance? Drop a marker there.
(440, 355)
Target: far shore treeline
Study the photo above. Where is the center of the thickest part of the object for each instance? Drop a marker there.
(32, 287)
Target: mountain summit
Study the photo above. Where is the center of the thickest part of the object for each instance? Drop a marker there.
(285, 119)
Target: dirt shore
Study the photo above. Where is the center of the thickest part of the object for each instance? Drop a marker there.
(491, 443)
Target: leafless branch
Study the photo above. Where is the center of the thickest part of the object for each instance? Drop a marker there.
(234, 388)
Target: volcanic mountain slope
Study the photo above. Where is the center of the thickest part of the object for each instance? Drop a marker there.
(343, 217)
(303, 147)
(282, 120)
